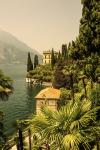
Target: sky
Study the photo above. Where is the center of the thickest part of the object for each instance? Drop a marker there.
(41, 24)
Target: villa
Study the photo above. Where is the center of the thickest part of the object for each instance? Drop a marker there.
(47, 56)
(47, 97)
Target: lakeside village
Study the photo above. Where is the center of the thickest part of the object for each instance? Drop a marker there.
(67, 111)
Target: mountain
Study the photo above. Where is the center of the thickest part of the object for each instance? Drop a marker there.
(13, 50)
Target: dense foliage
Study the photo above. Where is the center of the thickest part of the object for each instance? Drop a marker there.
(68, 128)
(90, 26)
(88, 40)
(42, 73)
(67, 73)
(59, 79)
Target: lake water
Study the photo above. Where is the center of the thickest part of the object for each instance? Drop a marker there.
(21, 104)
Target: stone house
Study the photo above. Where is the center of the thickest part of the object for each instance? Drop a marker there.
(47, 97)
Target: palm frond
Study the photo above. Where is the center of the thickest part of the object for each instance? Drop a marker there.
(86, 105)
(72, 141)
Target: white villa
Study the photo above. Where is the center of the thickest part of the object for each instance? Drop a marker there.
(47, 56)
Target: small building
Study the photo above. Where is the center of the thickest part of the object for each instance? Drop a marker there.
(47, 97)
(47, 57)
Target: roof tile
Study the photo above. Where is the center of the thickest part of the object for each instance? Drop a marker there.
(48, 93)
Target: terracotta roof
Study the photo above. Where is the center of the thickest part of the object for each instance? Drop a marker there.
(48, 93)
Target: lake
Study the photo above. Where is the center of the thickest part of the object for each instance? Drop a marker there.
(21, 104)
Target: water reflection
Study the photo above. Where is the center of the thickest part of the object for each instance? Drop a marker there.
(32, 91)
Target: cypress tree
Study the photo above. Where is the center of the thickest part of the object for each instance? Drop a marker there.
(29, 63)
(88, 41)
(89, 33)
(36, 61)
(64, 52)
(52, 59)
(59, 55)
(59, 77)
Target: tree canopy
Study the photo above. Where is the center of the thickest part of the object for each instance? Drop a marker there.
(88, 40)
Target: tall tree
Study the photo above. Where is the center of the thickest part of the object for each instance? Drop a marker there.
(89, 33)
(59, 77)
(52, 59)
(88, 40)
(36, 61)
(71, 77)
(29, 63)
(59, 56)
(64, 52)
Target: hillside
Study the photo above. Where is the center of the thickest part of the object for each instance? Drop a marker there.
(13, 50)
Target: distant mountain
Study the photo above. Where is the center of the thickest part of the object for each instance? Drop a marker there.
(13, 50)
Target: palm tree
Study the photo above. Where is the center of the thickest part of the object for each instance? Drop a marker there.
(22, 126)
(72, 127)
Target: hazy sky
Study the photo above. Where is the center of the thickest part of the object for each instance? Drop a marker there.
(42, 24)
